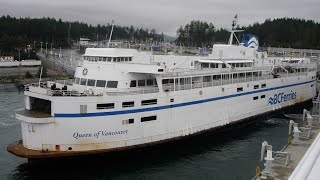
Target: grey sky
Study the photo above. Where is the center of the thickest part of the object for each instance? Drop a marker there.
(163, 15)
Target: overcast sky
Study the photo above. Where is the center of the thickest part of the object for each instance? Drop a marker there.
(163, 15)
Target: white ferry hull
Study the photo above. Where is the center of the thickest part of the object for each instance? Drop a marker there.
(191, 112)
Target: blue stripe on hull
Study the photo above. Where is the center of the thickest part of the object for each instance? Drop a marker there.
(175, 105)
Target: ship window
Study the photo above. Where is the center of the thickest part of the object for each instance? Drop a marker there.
(112, 84)
(128, 121)
(133, 83)
(263, 96)
(91, 82)
(141, 83)
(83, 81)
(105, 106)
(100, 59)
(256, 87)
(149, 118)
(206, 78)
(101, 83)
(224, 66)
(109, 59)
(255, 98)
(104, 59)
(166, 81)
(240, 89)
(128, 104)
(205, 65)
(77, 80)
(213, 65)
(263, 85)
(130, 58)
(150, 82)
(149, 102)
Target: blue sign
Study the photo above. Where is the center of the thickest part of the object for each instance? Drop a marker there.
(282, 97)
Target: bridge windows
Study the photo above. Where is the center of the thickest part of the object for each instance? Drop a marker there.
(83, 81)
(107, 59)
(112, 84)
(204, 65)
(263, 85)
(133, 83)
(77, 81)
(255, 98)
(214, 65)
(141, 83)
(151, 82)
(263, 96)
(91, 82)
(101, 83)
(256, 87)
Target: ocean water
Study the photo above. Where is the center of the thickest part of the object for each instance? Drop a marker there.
(231, 153)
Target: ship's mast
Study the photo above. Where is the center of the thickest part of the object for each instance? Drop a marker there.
(233, 30)
(111, 33)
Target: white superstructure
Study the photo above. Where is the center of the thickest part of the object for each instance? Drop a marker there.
(124, 98)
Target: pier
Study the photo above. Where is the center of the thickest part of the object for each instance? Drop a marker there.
(299, 159)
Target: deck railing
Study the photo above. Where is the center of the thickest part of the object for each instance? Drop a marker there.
(133, 91)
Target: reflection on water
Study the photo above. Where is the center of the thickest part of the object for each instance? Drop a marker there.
(231, 153)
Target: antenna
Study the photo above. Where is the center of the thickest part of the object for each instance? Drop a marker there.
(233, 35)
(69, 33)
(40, 75)
(233, 30)
(235, 21)
(111, 33)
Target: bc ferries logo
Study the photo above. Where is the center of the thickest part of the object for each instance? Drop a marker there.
(281, 97)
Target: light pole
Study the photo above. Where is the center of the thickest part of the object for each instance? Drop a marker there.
(51, 49)
(46, 48)
(19, 53)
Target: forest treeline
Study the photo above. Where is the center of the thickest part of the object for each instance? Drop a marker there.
(19, 32)
(283, 32)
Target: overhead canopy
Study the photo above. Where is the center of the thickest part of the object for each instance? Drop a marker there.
(210, 61)
(239, 61)
(110, 52)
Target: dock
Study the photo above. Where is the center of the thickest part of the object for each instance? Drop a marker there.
(300, 158)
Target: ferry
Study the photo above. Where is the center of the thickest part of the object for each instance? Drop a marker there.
(125, 98)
